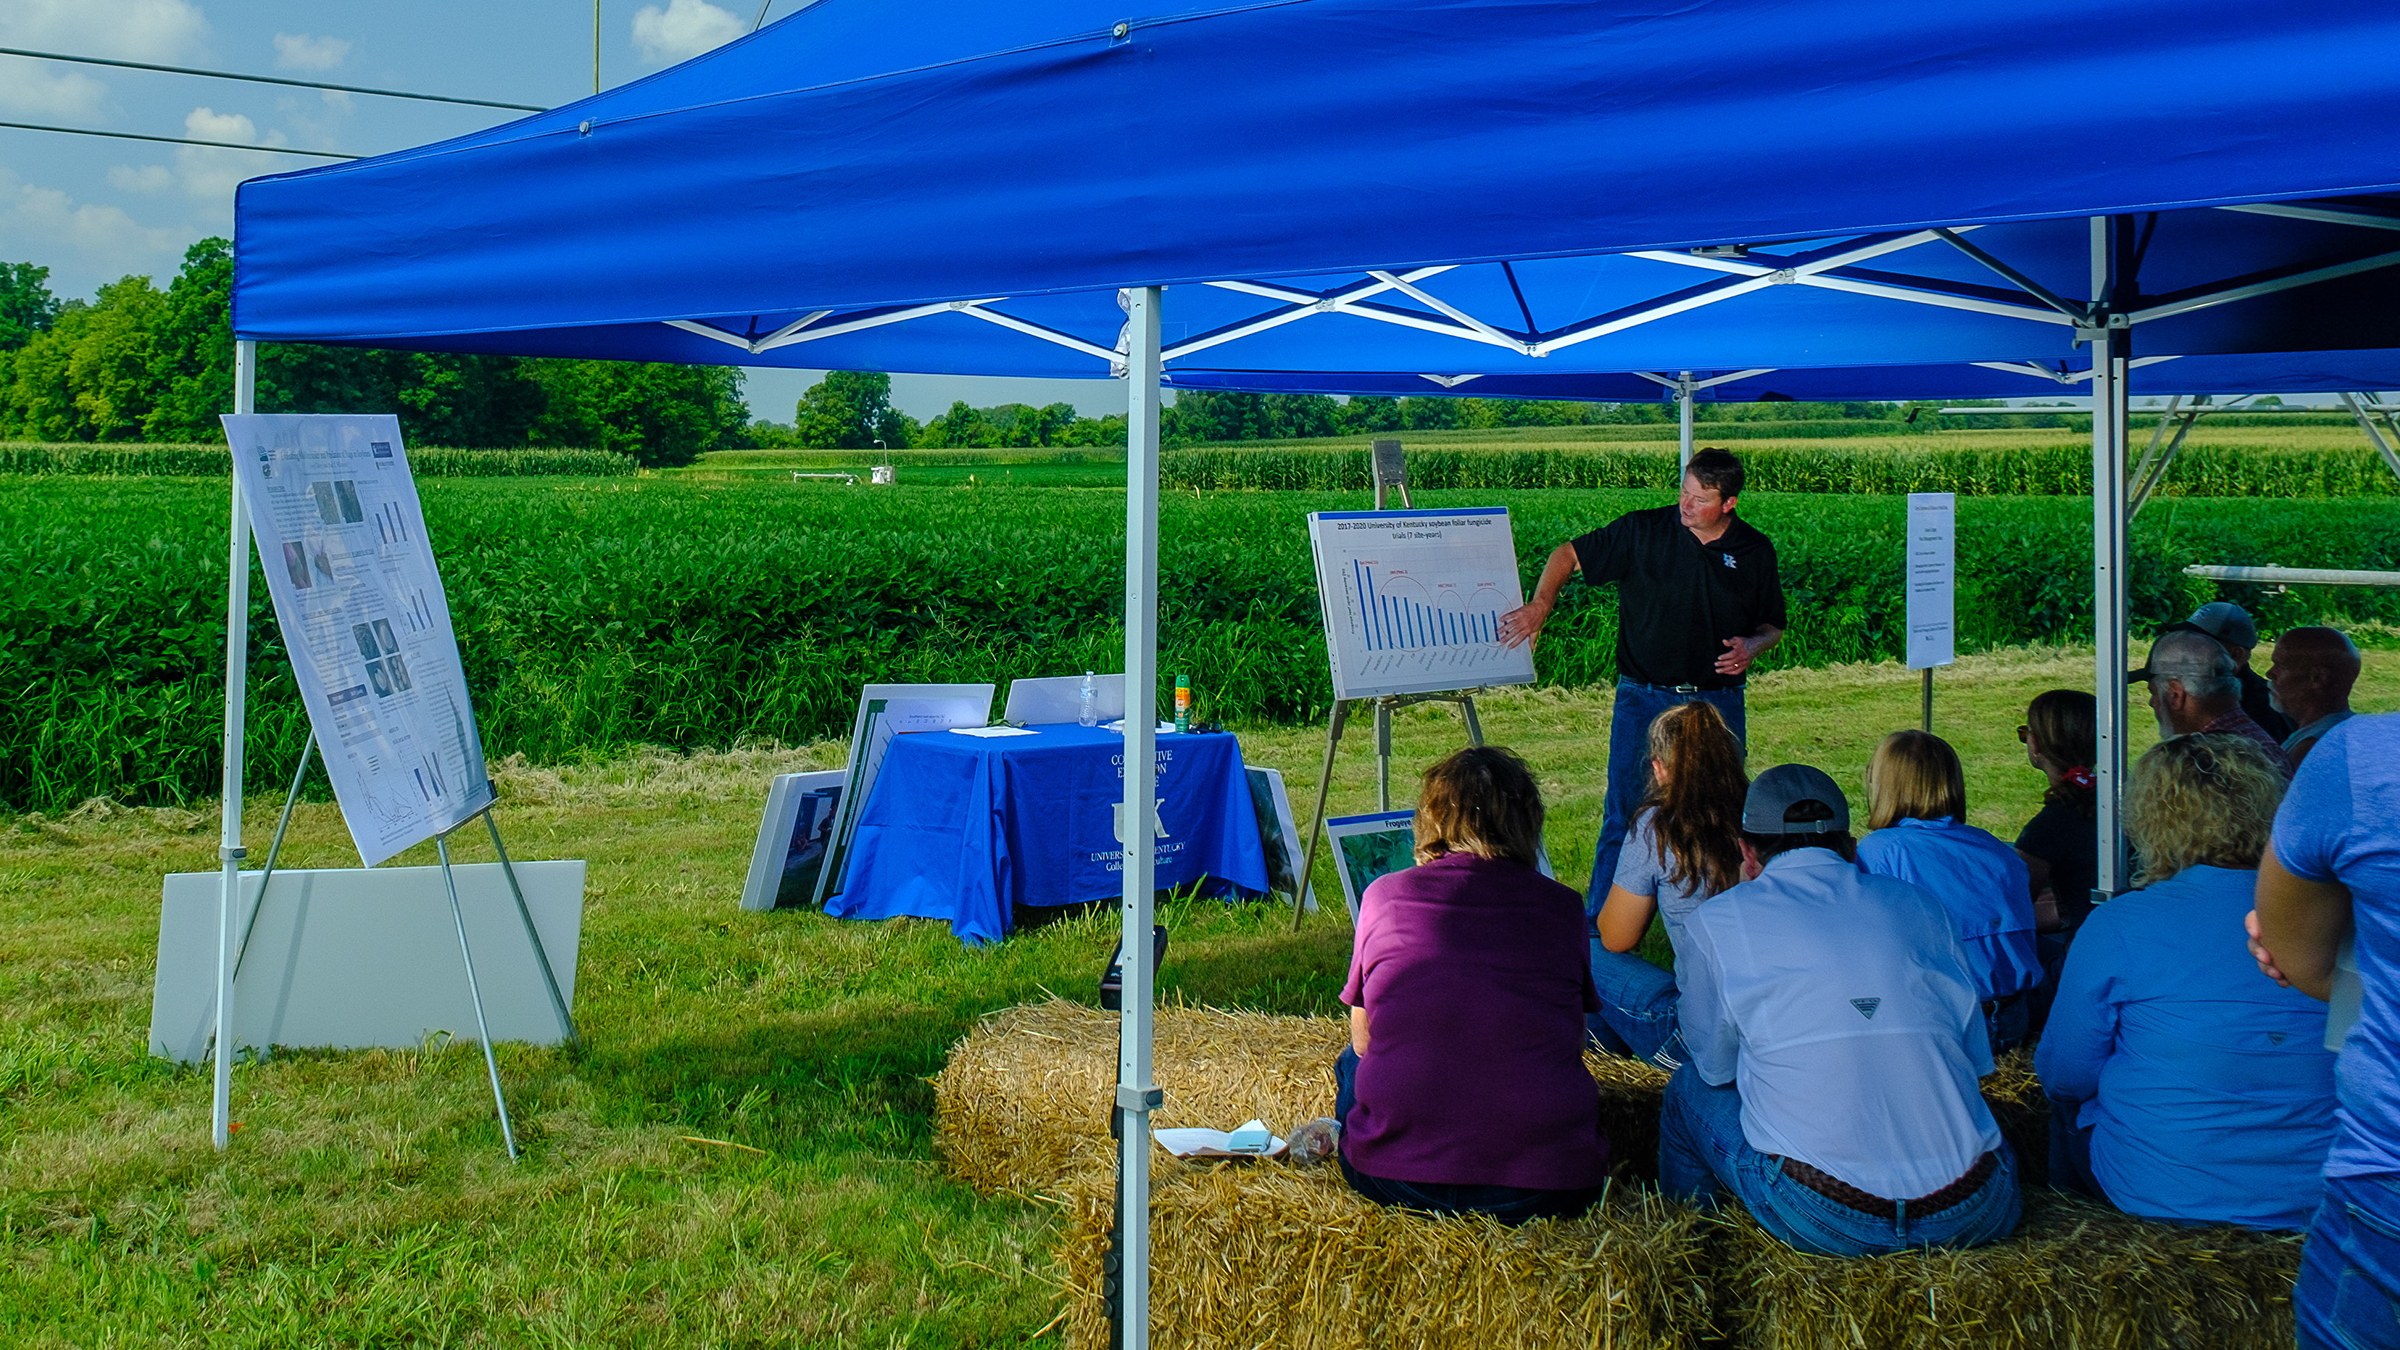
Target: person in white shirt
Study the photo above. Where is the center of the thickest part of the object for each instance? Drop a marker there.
(1836, 1037)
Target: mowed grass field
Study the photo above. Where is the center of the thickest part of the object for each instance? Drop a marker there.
(741, 1154)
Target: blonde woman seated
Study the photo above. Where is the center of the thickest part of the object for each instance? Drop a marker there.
(1917, 808)
(2185, 1086)
(1684, 846)
(1463, 1089)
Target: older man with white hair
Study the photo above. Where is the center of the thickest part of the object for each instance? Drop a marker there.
(2196, 687)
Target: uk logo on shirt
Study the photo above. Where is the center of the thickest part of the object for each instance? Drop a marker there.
(1866, 1007)
(1728, 559)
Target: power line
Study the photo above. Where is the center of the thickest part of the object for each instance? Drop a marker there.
(266, 79)
(181, 140)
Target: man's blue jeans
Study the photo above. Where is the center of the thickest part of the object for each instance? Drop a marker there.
(2348, 1297)
(1637, 706)
(1638, 1009)
(1702, 1155)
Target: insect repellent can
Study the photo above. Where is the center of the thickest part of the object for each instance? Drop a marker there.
(1183, 703)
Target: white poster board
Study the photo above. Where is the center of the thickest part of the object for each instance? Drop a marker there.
(1932, 579)
(1278, 837)
(1413, 599)
(1371, 846)
(794, 836)
(341, 535)
(885, 711)
(348, 959)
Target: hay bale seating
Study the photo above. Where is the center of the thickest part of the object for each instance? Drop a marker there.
(2077, 1274)
(1263, 1255)
(1023, 1101)
(1255, 1255)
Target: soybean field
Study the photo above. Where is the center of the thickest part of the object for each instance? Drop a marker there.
(708, 610)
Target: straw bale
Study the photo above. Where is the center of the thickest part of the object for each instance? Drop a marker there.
(1248, 1255)
(1025, 1098)
(2023, 1113)
(2077, 1274)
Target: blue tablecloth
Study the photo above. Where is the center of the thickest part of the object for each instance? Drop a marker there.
(964, 828)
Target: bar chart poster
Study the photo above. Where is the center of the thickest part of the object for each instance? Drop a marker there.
(1413, 599)
(341, 534)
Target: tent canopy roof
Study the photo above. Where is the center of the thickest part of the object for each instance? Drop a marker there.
(799, 197)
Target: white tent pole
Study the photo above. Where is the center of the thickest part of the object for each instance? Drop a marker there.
(1136, 1094)
(1683, 405)
(2109, 598)
(237, 674)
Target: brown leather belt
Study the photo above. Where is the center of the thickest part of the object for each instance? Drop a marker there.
(1843, 1193)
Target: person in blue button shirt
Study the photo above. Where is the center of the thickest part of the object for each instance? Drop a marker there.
(2185, 1086)
(2333, 869)
(1835, 1043)
(1917, 808)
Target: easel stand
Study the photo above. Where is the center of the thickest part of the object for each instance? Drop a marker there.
(441, 845)
(1384, 707)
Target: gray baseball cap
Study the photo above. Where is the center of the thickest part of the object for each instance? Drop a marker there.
(1785, 786)
(2227, 622)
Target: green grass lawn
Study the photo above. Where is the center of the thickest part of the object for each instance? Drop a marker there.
(741, 1154)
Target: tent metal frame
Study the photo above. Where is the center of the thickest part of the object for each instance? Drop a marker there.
(1139, 358)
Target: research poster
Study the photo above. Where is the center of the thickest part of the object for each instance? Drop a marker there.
(1932, 579)
(1413, 599)
(342, 538)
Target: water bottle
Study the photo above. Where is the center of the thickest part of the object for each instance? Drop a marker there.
(1087, 711)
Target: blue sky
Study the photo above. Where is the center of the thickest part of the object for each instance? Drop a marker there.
(93, 210)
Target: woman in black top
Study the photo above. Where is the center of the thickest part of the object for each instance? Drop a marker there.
(2061, 844)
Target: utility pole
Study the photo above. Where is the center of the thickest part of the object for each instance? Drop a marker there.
(595, 46)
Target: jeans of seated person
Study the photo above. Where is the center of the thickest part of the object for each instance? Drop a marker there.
(1511, 1205)
(2348, 1297)
(1638, 1009)
(1702, 1155)
(2071, 1152)
(2008, 1028)
(1637, 706)
(2051, 950)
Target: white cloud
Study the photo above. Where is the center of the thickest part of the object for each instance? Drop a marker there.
(149, 179)
(210, 175)
(135, 30)
(684, 29)
(43, 89)
(299, 51)
(114, 242)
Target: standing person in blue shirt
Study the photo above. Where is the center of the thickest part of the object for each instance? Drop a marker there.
(1835, 1043)
(2184, 1087)
(1917, 808)
(2333, 869)
(1682, 850)
(1698, 598)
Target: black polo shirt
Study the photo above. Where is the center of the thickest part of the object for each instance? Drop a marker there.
(1679, 599)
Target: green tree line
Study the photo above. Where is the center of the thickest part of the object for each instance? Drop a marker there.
(137, 363)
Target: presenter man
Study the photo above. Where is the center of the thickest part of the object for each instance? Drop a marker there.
(1698, 599)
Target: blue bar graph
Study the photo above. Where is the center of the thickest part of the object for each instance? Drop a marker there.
(1398, 623)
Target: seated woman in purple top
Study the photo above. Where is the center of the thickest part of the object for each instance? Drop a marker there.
(1681, 849)
(2186, 1087)
(1917, 808)
(1463, 1089)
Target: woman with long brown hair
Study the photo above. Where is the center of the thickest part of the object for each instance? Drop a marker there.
(1683, 847)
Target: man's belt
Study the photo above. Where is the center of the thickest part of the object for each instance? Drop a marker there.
(1677, 688)
(1843, 1193)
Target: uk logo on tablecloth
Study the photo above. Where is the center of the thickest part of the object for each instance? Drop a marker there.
(1119, 822)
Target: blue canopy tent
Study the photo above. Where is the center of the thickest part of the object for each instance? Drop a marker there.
(1343, 190)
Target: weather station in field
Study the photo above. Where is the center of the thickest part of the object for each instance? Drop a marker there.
(1413, 599)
